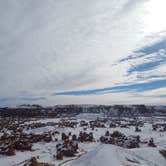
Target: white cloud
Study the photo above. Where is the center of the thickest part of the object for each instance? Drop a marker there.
(155, 92)
(49, 46)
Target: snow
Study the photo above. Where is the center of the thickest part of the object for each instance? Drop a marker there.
(102, 155)
(89, 116)
(95, 153)
(107, 155)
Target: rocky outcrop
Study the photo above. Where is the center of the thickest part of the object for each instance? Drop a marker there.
(119, 139)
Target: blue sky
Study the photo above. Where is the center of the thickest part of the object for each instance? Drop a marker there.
(81, 52)
(152, 63)
(136, 87)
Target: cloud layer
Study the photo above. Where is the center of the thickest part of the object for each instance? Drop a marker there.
(75, 51)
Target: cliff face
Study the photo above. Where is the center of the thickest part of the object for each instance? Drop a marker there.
(112, 111)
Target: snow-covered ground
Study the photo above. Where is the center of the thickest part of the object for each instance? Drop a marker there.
(95, 153)
(107, 155)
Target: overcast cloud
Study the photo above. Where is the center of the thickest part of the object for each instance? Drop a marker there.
(82, 51)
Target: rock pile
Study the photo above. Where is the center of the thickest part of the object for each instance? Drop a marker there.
(137, 129)
(68, 149)
(163, 153)
(151, 143)
(96, 124)
(159, 126)
(83, 123)
(85, 137)
(119, 139)
(33, 162)
(21, 141)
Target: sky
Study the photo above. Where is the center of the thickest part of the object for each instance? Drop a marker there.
(82, 52)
